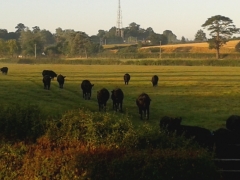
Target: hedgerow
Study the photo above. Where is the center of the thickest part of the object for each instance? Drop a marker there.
(87, 145)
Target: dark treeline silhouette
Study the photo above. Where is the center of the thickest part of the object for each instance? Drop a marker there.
(27, 41)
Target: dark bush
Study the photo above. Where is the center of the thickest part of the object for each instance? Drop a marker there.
(118, 164)
(21, 122)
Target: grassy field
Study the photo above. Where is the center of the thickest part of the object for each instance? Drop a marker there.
(203, 96)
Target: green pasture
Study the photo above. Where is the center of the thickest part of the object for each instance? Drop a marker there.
(202, 95)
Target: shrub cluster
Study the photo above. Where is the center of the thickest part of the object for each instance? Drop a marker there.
(88, 145)
(21, 122)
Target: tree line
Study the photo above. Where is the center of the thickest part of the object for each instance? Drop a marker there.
(30, 41)
(70, 43)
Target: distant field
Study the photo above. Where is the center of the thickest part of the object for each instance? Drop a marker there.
(229, 47)
(203, 96)
(199, 47)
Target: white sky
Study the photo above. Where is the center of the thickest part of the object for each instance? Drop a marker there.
(182, 17)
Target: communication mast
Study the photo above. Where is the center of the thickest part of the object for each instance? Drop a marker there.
(119, 30)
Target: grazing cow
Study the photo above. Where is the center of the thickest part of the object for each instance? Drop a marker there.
(60, 79)
(126, 78)
(225, 142)
(51, 73)
(169, 123)
(143, 103)
(102, 97)
(87, 89)
(233, 123)
(47, 82)
(200, 135)
(155, 80)
(117, 98)
(4, 70)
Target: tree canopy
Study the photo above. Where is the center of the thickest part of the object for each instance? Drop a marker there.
(200, 36)
(221, 29)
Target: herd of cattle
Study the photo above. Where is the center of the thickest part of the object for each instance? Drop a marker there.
(222, 141)
(103, 95)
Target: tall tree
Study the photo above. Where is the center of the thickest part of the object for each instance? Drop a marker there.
(3, 34)
(36, 29)
(12, 46)
(29, 40)
(200, 36)
(20, 27)
(221, 29)
(183, 40)
(3, 47)
(170, 36)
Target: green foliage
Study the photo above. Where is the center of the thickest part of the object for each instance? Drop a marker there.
(99, 146)
(11, 157)
(21, 122)
(200, 36)
(221, 29)
(93, 128)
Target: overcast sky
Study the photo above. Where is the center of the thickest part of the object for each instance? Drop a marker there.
(182, 17)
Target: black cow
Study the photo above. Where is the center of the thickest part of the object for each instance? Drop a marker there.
(50, 73)
(117, 98)
(155, 80)
(87, 89)
(126, 78)
(226, 143)
(102, 97)
(169, 123)
(233, 123)
(47, 82)
(202, 136)
(60, 79)
(4, 70)
(143, 103)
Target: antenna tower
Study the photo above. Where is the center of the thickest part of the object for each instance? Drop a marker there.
(119, 30)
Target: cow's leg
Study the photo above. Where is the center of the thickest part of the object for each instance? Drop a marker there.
(99, 106)
(140, 112)
(84, 94)
(90, 94)
(117, 106)
(147, 113)
(105, 106)
(121, 106)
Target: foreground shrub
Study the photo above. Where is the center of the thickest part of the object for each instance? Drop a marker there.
(21, 122)
(94, 128)
(11, 160)
(117, 164)
(151, 137)
(87, 145)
